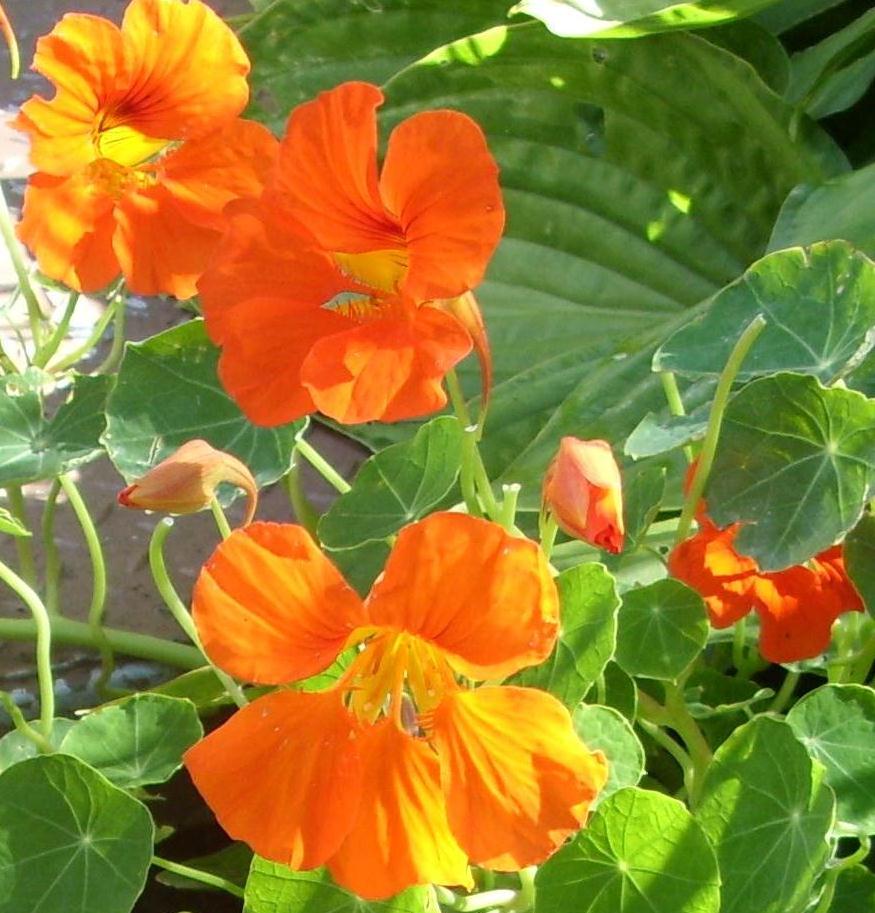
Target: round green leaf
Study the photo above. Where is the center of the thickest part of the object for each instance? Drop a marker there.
(641, 852)
(15, 747)
(168, 393)
(138, 741)
(607, 730)
(836, 723)
(70, 841)
(662, 629)
(794, 466)
(767, 811)
(855, 891)
(618, 691)
(859, 555)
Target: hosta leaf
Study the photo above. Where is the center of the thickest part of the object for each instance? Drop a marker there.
(836, 723)
(138, 741)
(70, 841)
(819, 304)
(794, 465)
(859, 555)
(767, 812)
(640, 852)
(607, 730)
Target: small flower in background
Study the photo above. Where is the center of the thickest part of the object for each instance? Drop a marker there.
(796, 606)
(331, 294)
(186, 481)
(583, 491)
(399, 773)
(11, 43)
(140, 148)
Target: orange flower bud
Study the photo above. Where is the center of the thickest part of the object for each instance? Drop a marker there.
(186, 481)
(583, 491)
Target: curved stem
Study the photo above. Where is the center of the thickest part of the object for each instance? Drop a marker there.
(220, 518)
(34, 312)
(50, 549)
(457, 398)
(304, 512)
(21, 725)
(214, 881)
(715, 421)
(95, 336)
(666, 742)
(466, 474)
(47, 351)
(675, 403)
(321, 465)
(23, 544)
(785, 692)
(118, 333)
(547, 530)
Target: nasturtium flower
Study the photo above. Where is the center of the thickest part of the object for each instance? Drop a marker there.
(583, 491)
(140, 148)
(796, 606)
(334, 292)
(400, 772)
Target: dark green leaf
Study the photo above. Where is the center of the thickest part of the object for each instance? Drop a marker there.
(855, 891)
(794, 465)
(15, 747)
(607, 730)
(789, 13)
(709, 694)
(70, 842)
(361, 565)
(859, 555)
(231, 863)
(819, 304)
(201, 686)
(643, 487)
(396, 486)
(641, 852)
(616, 689)
(658, 434)
(767, 811)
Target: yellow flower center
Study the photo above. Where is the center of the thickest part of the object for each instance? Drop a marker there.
(379, 269)
(115, 180)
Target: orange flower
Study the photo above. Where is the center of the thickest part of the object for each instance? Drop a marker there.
(332, 293)
(140, 148)
(796, 606)
(186, 481)
(583, 490)
(398, 774)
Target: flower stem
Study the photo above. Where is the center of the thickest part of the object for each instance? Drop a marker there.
(120, 314)
(785, 692)
(547, 530)
(675, 403)
(23, 544)
(466, 474)
(94, 337)
(21, 725)
(321, 465)
(666, 742)
(304, 512)
(50, 549)
(215, 881)
(715, 421)
(47, 351)
(509, 504)
(34, 312)
(220, 518)
(457, 398)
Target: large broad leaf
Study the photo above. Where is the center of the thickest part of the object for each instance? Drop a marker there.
(641, 852)
(607, 730)
(168, 393)
(767, 812)
(273, 888)
(819, 304)
(836, 723)
(789, 13)
(138, 741)
(855, 891)
(843, 207)
(70, 842)
(396, 486)
(794, 464)
(859, 555)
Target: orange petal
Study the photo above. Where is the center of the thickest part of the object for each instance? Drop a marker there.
(518, 781)
(327, 174)
(188, 70)
(68, 225)
(270, 607)
(401, 836)
(388, 369)
(283, 775)
(482, 595)
(441, 182)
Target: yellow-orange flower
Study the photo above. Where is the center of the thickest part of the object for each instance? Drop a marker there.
(140, 148)
(401, 773)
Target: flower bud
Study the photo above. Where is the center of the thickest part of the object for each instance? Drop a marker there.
(583, 491)
(186, 481)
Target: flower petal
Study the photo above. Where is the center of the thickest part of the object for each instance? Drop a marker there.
(441, 182)
(517, 779)
(283, 775)
(485, 597)
(270, 607)
(401, 836)
(388, 369)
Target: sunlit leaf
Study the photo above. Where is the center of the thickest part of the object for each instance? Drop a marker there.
(607, 730)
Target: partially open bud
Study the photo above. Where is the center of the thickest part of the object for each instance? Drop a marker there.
(186, 481)
(467, 311)
(583, 491)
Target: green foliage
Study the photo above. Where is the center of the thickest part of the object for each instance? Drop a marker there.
(859, 554)
(654, 435)
(607, 730)
(15, 746)
(855, 891)
(11, 525)
(643, 488)
(231, 863)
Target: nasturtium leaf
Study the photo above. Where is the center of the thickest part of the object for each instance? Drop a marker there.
(201, 686)
(836, 723)
(785, 15)
(137, 741)
(643, 487)
(794, 465)
(819, 304)
(361, 565)
(607, 730)
(616, 689)
(710, 693)
(661, 629)
(274, 888)
(854, 892)
(168, 393)
(859, 555)
(640, 852)
(33, 447)
(586, 641)
(15, 747)
(231, 863)
(767, 811)
(11, 525)
(70, 841)
(656, 434)
(396, 486)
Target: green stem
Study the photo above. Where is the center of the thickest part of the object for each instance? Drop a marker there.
(526, 898)
(862, 663)
(675, 403)
(484, 486)
(21, 725)
(304, 512)
(118, 332)
(215, 881)
(715, 420)
(785, 692)
(666, 742)
(321, 465)
(177, 607)
(50, 549)
(43, 630)
(220, 518)
(833, 872)
(23, 544)
(34, 312)
(466, 474)
(509, 505)
(485, 900)
(95, 336)
(457, 398)
(547, 530)
(47, 351)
